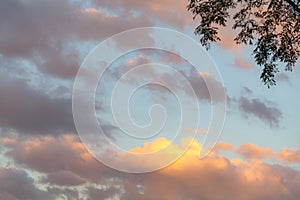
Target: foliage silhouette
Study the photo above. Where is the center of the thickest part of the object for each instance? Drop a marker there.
(271, 26)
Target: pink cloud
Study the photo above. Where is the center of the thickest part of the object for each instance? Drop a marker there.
(214, 177)
(166, 11)
(193, 131)
(252, 151)
(223, 146)
(289, 155)
(51, 155)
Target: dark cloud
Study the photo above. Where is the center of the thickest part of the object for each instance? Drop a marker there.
(47, 32)
(34, 30)
(15, 184)
(32, 111)
(255, 107)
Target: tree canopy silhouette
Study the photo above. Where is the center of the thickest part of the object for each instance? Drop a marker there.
(271, 26)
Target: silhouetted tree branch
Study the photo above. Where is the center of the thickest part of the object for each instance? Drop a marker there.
(272, 26)
(294, 5)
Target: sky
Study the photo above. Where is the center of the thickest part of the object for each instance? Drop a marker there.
(95, 106)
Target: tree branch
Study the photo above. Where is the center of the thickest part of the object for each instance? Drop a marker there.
(294, 5)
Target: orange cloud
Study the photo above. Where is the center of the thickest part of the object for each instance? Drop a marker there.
(228, 44)
(241, 62)
(252, 151)
(289, 155)
(223, 146)
(193, 131)
(214, 177)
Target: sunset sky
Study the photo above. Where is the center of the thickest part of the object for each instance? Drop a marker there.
(43, 156)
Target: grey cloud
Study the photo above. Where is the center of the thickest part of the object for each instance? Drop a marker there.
(28, 110)
(44, 32)
(15, 184)
(247, 90)
(154, 9)
(284, 78)
(199, 82)
(255, 107)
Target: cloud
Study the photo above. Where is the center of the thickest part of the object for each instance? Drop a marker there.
(241, 62)
(53, 164)
(255, 107)
(227, 43)
(223, 146)
(29, 110)
(64, 193)
(56, 51)
(252, 151)
(194, 131)
(48, 33)
(67, 167)
(227, 35)
(29, 30)
(52, 155)
(214, 177)
(289, 155)
(15, 184)
(247, 90)
(168, 12)
(63, 178)
(198, 80)
(104, 193)
(284, 78)
(85, 24)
